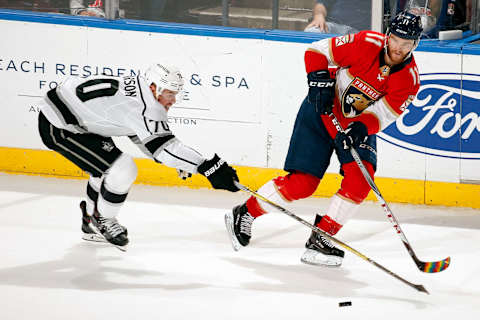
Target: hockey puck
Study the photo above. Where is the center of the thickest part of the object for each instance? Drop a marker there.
(345, 304)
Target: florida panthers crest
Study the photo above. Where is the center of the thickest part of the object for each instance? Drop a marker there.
(357, 97)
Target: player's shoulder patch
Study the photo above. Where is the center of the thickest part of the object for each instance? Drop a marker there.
(341, 40)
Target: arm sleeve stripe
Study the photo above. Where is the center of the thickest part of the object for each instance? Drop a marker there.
(330, 52)
(157, 143)
(179, 158)
(141, 95)
(67, 115)
(135, 139)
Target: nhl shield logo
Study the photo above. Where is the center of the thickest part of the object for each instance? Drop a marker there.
(385, 70)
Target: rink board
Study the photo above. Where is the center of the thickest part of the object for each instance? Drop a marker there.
(48, 163)
(243, 90)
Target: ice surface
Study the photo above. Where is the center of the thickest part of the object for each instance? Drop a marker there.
(180, 264)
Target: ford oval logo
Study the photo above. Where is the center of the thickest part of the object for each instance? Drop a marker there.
(444, 118)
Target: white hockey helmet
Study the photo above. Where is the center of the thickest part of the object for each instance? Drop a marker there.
(164, 77)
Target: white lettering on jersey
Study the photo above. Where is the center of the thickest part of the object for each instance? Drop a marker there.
(130, 86)
(415, 76)
(157, 127)
(374, 38)
(375, 42)
(366, 88)
(374, 35)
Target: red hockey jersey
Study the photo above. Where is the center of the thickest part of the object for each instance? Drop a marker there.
(367, 89)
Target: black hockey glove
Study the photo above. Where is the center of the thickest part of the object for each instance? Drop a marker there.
(321, 91)
(219, 173)
(355, 134)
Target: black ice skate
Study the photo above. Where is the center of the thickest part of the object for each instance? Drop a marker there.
(110, 230)
(239, 226)
(321, 252)
(88, 233)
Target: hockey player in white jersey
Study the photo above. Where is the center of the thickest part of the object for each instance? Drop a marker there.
(78, 119)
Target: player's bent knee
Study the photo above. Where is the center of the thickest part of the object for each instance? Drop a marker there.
(354, 185)
(121, 174)
(297, 185)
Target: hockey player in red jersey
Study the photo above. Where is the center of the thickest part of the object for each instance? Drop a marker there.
(372, 79)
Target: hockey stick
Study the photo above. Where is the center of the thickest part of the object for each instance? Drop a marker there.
(418, 287)
(429, 267)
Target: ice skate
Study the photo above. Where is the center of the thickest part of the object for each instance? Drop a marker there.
(239, 226)
(88, 233)
(321, 252)
(110, 230)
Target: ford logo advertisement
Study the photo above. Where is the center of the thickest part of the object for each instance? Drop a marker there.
(443, 120)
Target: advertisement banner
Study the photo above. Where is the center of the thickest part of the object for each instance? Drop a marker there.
(219, 111)
(241, 95)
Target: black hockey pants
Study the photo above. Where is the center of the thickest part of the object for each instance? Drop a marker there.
(93, 153)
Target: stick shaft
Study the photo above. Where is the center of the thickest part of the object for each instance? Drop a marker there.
(422, 266)
(418, 287)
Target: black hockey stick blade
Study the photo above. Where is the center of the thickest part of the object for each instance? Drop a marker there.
(421, 288)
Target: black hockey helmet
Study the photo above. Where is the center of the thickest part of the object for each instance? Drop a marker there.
(406, 25)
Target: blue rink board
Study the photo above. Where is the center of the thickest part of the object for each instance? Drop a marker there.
(451, 46)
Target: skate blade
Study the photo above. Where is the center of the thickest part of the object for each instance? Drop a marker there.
(93, 237)
(312, 257)
(98, 233)
(231, 233)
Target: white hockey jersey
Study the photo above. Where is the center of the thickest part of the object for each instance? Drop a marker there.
(111, 106)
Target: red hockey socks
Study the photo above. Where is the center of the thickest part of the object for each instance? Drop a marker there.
(345, 203)
(283, 190)
(354, 186)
